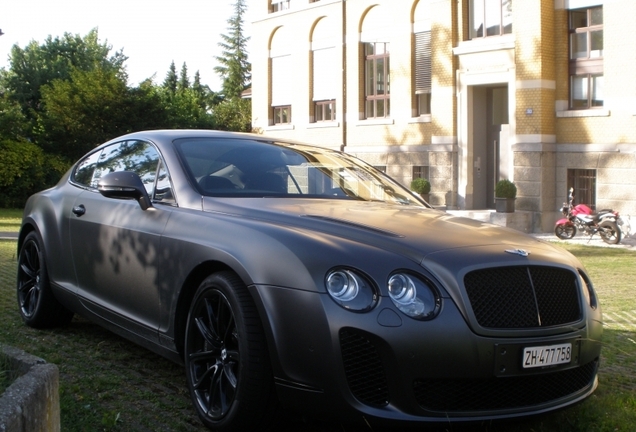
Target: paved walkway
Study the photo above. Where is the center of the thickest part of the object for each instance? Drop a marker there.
(628, 242)
(8, 235)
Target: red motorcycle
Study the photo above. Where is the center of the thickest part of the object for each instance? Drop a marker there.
(581, 218)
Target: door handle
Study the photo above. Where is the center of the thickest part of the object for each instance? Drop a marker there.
(79, 210)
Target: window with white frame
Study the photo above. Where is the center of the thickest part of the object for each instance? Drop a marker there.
(586, 58)
(281, 78)
(375, 35)
(280, 5)
(490, 18)
(325, 67)
(281, 89)
(281, 114)
(376, 78)
(422, 65)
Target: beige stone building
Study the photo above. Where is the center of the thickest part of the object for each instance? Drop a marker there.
(462, 92)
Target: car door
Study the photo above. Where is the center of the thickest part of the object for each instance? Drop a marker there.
(116, 245)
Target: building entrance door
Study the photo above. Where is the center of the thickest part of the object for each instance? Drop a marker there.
(490, 142)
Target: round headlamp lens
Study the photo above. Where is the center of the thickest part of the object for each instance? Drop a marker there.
(342, 286)
(351, 290)
(414, 296)
(401, 289)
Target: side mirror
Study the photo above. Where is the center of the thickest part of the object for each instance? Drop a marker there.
(124, 185)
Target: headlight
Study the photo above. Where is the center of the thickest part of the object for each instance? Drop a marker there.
(350, 290)
(414, 296)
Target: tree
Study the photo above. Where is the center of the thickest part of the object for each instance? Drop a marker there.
(24, 170)
(92, 107)
(234, 67)
(234, 115)
(38, 65)
(184, 81)
(170, 83)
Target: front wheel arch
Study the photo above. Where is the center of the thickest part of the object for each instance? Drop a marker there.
(228, 367)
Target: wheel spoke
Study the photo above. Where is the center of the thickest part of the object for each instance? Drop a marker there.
(27, 270)
(26, 286)
(208, 333)
(208, 375)
(230, 329)
(204, 356)
(230, 376)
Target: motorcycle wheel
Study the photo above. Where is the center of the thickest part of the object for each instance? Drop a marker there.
(610, 232)
(565, 232)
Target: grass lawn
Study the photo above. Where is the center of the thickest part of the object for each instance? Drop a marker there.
(10, 220)
(110, 384)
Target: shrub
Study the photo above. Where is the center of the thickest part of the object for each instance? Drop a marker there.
(505, 189)
(421, 186)
(24, 170)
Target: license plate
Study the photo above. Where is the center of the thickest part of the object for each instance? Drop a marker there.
(546, 355)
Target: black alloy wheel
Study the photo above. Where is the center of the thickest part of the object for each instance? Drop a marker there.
(565, 232)
(38, 306)
(226, 357)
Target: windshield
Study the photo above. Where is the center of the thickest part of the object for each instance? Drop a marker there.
(250, 168)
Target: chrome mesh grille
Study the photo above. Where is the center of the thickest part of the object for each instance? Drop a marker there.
(523, 296)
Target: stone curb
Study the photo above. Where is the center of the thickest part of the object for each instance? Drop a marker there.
(32, 402)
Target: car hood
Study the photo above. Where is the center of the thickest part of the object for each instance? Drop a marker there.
(415, 232)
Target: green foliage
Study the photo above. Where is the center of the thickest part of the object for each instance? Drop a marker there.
(505, 189)
(88, 109)
(24, 170)
(234, 67)
(234, 115)
(170, 83)
(13, 123)
(38, 65)
(420, 185)
(61, 98)
(184, 81)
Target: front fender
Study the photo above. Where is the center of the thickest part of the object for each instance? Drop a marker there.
(564, 221)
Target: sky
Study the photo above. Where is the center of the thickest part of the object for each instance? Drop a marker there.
(151, 33)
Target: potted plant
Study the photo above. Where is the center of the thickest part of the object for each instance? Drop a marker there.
(421, 186)
(505, 195)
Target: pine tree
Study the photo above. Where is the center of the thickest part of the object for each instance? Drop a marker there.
(170, 83)
(234, 68)
(184, 82)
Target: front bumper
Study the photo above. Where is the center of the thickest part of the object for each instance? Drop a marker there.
(384, 365)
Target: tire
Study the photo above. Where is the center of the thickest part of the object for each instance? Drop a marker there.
(609, 232)
(38, 306)
(565, 231)
(227, 363)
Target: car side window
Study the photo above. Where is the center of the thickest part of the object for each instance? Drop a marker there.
(163, 190)
(84, 171)
(135, 156)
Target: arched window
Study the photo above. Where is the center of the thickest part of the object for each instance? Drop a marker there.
(324, 71)
(281, 78)
(375, 49)
(422, 64)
